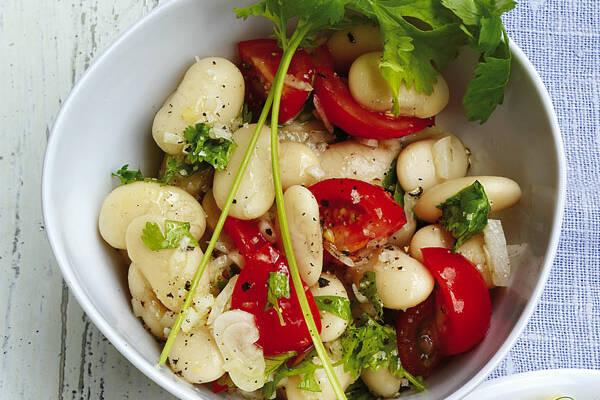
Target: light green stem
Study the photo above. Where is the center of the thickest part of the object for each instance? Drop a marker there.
(283, 225)
(218, 228)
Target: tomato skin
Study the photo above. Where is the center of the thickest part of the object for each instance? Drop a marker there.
(245, 235)
(260, 61)
(323, 60)
(356, 212)
(250, 292)
(334, 98)
(463, 302)
(418, 338)
(216, 387)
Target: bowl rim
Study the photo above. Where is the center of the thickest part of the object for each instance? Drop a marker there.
(499, 385)
(154, 373)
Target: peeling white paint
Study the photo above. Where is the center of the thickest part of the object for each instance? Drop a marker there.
(48, 347)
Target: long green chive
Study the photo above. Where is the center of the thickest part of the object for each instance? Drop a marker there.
(275, 92)
(215, 236)
(285, 233)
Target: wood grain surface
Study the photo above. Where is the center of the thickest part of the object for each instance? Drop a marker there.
(48, 347)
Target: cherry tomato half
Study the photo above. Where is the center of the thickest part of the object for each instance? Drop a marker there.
(260, 60)
(322, 59)
(250, 292)
(333, 97)
(356, 212)
(418, 339)
(463, 302)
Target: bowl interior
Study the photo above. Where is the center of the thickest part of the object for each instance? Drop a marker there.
(107, 121)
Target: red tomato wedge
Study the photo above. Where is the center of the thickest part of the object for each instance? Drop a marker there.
(356, 212)
(322, 59)
(250, 292)
(418, 338)
(260, 61)
(333, 97)
(463, 302)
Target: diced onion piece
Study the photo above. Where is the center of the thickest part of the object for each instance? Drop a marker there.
(265, 226)
(496, 252)
(173, 138)
(368, 142)
(221, 132)
(361, 298)
(293, 82)
(223, 301)
(316, 172)
(320, 114)
(235, 333)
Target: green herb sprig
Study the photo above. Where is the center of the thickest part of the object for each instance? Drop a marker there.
(391, 184)
(336, 305)
(175, 234)
(278, 286)
(466, 213)
(368, 287)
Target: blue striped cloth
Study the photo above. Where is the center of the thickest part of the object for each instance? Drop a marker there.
(562, 40)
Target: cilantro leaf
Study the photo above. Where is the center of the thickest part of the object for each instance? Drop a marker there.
(398, 370)
(336, 305)
(177, 235)
(465, 214)
(305, 368)
(418, 42)
(309, 382)
(483, 25)
(272, 363)
(278, 286)
(126, 175)
(391, 184)
(486, 90)
(368, 344)
(203, 146)
(172, 167)
(312, 16)
(371, 344)
(368, 288)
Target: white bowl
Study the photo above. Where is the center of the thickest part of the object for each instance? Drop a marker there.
(578, 384)
(106, 122)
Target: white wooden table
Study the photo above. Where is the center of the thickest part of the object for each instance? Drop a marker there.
(49, 348)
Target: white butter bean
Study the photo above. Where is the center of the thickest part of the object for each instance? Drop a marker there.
(332, 326)
(298, 165)
(369, 88)
(256, 192)
(429, 236)
(402, 282)
(415, 167)
(302, 212)
(347, 45)
(235, 333)
(472, 249)
(129, 201)
(146, 306)
(196, 357)
(381, 382)
(351, 159)
(345, 379)
(211, 91)
(450, 158)
(501, 192)
(168, 270)
(428, 162)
